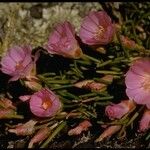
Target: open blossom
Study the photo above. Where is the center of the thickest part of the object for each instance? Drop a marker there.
(62, 41)
(17, 62)
(43, 103)
(145, 121)
(116, 111)
(83, 126)
(24, 129)
(97, 29)
(138, 81)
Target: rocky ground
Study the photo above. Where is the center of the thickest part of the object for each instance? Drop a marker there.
(33, 22)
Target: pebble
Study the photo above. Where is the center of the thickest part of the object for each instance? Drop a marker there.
(10, 144)
(36, 11)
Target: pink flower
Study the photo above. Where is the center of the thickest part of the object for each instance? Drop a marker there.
(41, 135)
(145, 121)
(43, 103)
(62, 41)
(116, 111)
(138, 81)
(97, 29)
(17, 62)
(24, 129)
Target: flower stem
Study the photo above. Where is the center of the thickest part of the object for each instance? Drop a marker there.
(104, 63)
(97, 98)
(58, 129)
(102, 103)
(134, 116)
(43, 125)
(87, 95)
(48, 74)
(84, 56)
(108, 72)
(58, 81)
(124, 49)
(62, 87)
(15, 116)
(83, 62)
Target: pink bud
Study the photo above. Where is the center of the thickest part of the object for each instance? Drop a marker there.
(25, 98)
(33, 85)
(145, 121)
(6, 103)
(127, 42)
(116, 111)
(41, 135)
(6, 113)
(92, 85)
(108, 132)
(108, 78)
(24, 129)
(83, 126)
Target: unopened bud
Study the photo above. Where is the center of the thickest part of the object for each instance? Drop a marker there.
(41, 135)
(108, 132)
(83, 126)
(24, 129)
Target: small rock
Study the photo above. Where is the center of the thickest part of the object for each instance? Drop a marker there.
(20, 144)
(10, 144)
(36, 11)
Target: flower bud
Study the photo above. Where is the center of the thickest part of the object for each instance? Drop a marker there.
(145, 121)
(7, 113)
(92, 85)
(108, 132)
(33, 85)
(6, 103)
(117, 111)
(24, 129)
(83, 126)
(41, 135)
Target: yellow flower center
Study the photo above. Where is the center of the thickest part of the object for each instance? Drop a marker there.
(47, 103)
(99, 32)
(146, 83)
(19, 66)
